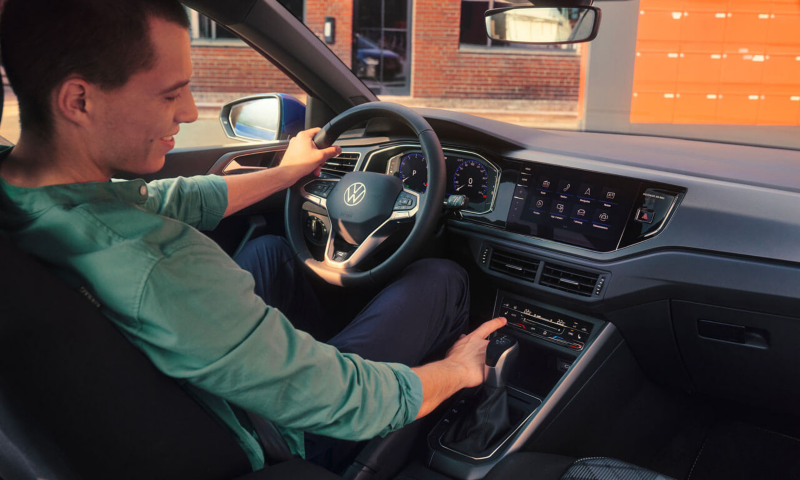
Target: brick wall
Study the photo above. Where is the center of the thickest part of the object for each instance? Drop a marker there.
(342, 11)
(441, 70)
(222, 73)
(225, 73)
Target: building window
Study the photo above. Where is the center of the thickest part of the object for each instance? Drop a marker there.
(473, 26)
(203, 28)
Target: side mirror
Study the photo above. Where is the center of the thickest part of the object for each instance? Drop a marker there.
(267, 117)
(543, 25)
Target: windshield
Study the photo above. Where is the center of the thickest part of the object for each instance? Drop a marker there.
(722, 71)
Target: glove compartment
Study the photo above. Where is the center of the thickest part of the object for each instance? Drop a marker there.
(740, 355)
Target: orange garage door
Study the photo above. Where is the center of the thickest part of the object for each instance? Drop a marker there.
(718, 62)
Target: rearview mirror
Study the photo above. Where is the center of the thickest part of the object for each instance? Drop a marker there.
(543, 25)
(272, 116)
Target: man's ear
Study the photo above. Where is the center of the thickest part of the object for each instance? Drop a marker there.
(73, 100)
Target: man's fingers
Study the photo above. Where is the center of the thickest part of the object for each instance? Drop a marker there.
(331, 152)
(310, 132)
(488, 327)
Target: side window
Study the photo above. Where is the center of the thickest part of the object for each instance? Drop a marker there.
(225, 69)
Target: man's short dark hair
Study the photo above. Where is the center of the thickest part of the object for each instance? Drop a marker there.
(42, 42)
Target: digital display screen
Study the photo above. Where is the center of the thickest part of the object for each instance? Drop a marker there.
(572, 206)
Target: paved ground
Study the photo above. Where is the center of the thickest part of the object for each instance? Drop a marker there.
(207, 130)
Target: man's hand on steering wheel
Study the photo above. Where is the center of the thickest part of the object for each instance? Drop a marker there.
(303, 156)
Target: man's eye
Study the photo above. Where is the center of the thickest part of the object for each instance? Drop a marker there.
(173, 98)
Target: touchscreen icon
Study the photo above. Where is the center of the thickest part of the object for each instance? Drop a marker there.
(560, 207)
(611, 195)
(581, 212)
(588, 192)
(603, 217)
(566, 188)
(546, 184)
(539, 203)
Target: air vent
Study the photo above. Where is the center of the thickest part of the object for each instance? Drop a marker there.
(568, 279)
(344, 163)
(514, 264)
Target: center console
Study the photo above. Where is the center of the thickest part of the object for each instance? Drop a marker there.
(484, 424)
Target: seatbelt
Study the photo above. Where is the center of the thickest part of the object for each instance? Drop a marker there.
(275, 447)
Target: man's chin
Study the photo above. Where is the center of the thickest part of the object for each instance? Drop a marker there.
(152, 166)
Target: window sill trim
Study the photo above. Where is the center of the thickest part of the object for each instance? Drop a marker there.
(219, 42)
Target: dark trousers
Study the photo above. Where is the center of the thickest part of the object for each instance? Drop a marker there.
(420, 314)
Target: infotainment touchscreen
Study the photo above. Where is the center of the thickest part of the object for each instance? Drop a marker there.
(572, 206)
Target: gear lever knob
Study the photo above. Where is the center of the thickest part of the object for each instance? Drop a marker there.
(501, 353)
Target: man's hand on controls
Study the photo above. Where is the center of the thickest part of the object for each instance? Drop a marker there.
(462, 367)
(303, 156)
(470, 352)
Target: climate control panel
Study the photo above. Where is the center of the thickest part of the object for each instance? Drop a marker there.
(542, 323)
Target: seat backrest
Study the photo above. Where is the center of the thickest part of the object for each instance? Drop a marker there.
(77, 400)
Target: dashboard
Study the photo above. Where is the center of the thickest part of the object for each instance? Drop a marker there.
(659, 236)
(566, 205)
(675, 236)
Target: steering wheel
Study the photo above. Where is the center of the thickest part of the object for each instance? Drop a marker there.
(365, 208)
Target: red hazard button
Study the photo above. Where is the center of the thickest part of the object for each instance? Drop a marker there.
(645, 215)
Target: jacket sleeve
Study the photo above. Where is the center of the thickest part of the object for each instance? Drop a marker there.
(199, 320)
(199, 201)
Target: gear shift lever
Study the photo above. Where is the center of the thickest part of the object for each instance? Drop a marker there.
(475, 434)
(501, 353)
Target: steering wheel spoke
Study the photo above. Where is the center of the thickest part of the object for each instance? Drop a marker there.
(406, 206)
(342, 255)
(317, 190)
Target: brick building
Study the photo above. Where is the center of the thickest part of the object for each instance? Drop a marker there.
(434, 49)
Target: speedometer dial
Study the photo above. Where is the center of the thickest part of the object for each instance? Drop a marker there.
(471, 179)
(414, 172)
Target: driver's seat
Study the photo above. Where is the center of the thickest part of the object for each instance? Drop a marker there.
(78, 401)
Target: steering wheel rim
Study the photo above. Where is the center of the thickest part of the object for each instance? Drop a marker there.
(426, 214)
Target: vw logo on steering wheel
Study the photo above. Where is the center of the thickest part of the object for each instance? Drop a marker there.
(354, 194)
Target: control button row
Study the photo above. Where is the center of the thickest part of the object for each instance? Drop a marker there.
(571, 338)
(320, 188)
(405, 201)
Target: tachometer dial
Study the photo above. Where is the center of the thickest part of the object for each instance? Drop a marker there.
(471, 179)
(414, 172)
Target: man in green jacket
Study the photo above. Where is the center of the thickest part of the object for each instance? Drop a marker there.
(109, 98)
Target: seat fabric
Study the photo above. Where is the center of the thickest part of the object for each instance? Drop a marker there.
(602, 468)
(545, 466)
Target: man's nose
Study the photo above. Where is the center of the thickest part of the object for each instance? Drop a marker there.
(187, 111)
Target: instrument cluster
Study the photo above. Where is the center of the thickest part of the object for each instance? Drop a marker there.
(468, 174)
